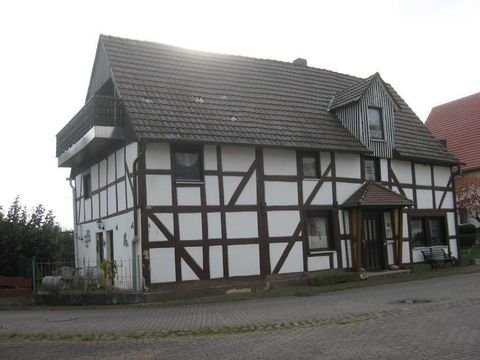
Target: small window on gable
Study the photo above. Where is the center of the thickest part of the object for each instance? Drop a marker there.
(372, 169)
(188, 164)
(319, 232)
(310, 165)
(87, 185)
(375, 123)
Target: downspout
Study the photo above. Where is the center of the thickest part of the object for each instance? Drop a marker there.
(136, 277)
(75, 238)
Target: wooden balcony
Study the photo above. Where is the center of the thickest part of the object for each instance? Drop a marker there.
(101, 119)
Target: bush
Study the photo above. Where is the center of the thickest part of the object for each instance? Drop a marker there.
(467, 235)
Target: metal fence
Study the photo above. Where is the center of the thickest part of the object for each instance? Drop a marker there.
(87, 277)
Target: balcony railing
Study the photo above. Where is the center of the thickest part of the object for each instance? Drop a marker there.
(98, 111)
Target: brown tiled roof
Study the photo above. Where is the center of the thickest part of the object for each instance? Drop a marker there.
(175, 94)
(458, 122)
(372, 194)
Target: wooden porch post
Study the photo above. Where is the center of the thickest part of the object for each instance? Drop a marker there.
(398, 228)
(357, 239)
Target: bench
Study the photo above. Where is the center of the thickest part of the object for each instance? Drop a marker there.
(437, 257)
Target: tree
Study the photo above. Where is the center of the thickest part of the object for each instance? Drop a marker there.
(468, 195)
(26, 234)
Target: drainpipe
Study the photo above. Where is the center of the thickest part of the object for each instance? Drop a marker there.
(75, 239)
(136, 277)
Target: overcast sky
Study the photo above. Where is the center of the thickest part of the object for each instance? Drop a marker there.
(428, 50)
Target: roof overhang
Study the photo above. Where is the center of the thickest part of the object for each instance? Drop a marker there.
(373, 195)
(95, 139)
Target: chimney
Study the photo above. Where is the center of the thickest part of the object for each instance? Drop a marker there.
(300, 62)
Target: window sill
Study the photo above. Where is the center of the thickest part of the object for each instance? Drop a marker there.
(189, 182)
(379, 140)
(320, 252)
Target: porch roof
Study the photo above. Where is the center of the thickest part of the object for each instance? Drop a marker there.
(372, 194)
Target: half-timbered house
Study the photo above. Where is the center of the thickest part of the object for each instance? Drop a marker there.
(201, 166)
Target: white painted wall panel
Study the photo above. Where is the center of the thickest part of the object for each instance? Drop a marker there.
(112, 203)
(423, 175)
(162, 265)
(249, 194)
(216, 262)
(237, 158)
(103, 173)
(157, 156)
(95, 205)
(212, 190)
(282, 223)
(344, 221)
(424, 199)
(88, 209)
(129, 194)
(451, 224)
(131, 154)
(308, 186)
(167, 220)
(214, 226)
(94, 177)
(230, 184)
(242, 224)
(120, 158)
(453, 248)
(406, 252)
(103, 203)
(159, 190)
(197, 254)
(347, 165)
(210, 157)
(122, 204)
(281, 193)
(243, 260)
(447, 202)
(408, 193)
(442, 175)
(390, 257)
(111, 168)
(384, 169)
(405, 226)
(78, 185)
(324, 195)
(188, 196)
(325, 160)
(345, 190)
(154, 233)
(318, 263)
(402, 170)
(293, 262)
(190, 226)
(279, 162)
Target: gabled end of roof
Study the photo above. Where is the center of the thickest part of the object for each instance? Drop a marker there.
(372, 194)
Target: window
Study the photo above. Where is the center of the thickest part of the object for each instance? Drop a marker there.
(87, 185)
(319, 232)
(188, 164)
(428, 231)
(372, 169)
(310, 165)
(375, 123)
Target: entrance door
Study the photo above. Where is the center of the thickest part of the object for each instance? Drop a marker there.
(372, 241)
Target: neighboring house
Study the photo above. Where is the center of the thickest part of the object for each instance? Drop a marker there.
(207, 166)
(457, 123)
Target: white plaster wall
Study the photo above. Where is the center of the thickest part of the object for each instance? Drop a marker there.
(237, 158)
(112, 199)
(216, 262)
(111, 168)
(242, 224)
(159, 190)
(318, 263)
(406, 252)
(154, 233)
(210, 157)
(103, 203)
(405, 226)
(230, 184)
(122, 204)
(423, 174)
(157, 156)
(447, 202)
(120, 158)
(324, 195)
(197, 254)
(188, 196)
(345, 190)
(279, 162)
(346, 253)
(442, 175)
(78, 185)
(212, 190)
(94, 177)
(451, 223)
(190, 226)
(293, 262)
(81, 210)
(282, 223)
(325, 160)
(249, 194)
(384, 169)
(88, 209)
(281, 193)
(408, 193)
(402, 170)
(95, 204)
(214, 225)
(453, 247)
(162, 265)
(129, 194)
(347, 165)
(390, 257)
(424, 199)
(103, 173)
(131, 154)
(243, 260)
(308, 186)
(344, 219)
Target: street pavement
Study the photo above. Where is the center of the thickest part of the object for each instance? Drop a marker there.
(436, 318)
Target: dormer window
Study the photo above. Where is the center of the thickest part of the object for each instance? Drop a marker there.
(375, 123)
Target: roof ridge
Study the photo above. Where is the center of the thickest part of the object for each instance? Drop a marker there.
(456, 100)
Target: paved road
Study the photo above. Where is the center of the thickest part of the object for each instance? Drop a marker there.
(366, 323)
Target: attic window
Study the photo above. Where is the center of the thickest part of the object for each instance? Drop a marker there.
(375, 123)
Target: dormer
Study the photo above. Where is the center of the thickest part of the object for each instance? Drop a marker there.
(367, 110)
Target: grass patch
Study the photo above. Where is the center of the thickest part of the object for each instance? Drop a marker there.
(470, 254)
